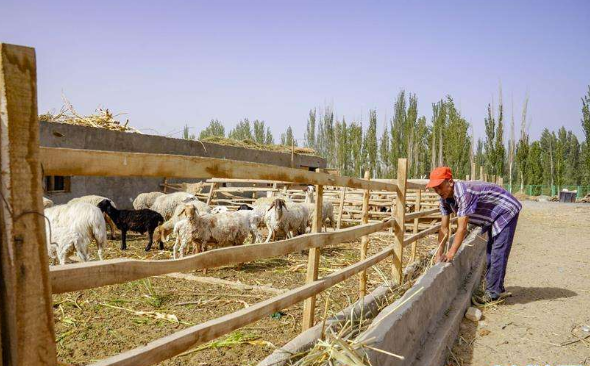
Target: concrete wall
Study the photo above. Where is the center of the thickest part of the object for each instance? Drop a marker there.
(124, 190)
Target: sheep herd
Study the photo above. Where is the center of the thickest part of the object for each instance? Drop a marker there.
(180, 215)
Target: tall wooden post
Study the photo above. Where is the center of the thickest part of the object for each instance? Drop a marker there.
(26, 317)
(400, 214)
(313, 260)
(481, 177)
(341, 208)
(417, 208)
(365, 238)
(472, 171)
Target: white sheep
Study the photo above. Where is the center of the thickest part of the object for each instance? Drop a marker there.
(146, 200)
(221, 230)
(255, 218)
(291, 220)
(327, 208)
(186, 231)
(47, 202)
(61, 240)
(166, 204)
(219, 209)
(163, 232)
(95, 200)
(75, 225)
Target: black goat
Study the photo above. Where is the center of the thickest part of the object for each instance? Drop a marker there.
(244, 207)
(141, 221)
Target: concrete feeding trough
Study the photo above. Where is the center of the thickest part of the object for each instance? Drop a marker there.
(426, 323)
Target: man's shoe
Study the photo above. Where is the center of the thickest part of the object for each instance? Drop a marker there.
(488, 298)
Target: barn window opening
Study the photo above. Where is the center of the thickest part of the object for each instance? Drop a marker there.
(57, 184)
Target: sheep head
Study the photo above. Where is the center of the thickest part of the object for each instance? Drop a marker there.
(189, 211)
(278, 205)
(162, 233)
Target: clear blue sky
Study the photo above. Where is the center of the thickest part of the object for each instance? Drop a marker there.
(171, 63)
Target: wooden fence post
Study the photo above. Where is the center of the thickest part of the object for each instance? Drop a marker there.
(393, 206)
(365, 238)
(472, 171)
(313, 261)
(341, 208)
(26, 315)
(211, 193)
(400, 213)
(481, 177)
(417, 208)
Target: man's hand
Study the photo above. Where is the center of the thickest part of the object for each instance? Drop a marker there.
(448, 257)
(438, 258)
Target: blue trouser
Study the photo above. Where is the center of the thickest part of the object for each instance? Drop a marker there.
(498, 251)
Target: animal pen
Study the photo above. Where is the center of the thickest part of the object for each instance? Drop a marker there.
(27, 331)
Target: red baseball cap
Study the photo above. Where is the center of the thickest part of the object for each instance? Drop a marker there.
(439, 175)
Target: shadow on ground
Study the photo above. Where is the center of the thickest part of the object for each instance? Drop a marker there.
(525, 295)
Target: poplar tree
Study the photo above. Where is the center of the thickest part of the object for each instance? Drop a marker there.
(242, 131)
(384, 151)
(370, 144)
(310, 132)
(287, 138)
(259, 131)
(522, 149)
(342, 147)
(586, 128)
(355, 139)
(215, 128)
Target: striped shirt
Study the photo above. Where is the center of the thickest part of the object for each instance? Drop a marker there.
(486, 204)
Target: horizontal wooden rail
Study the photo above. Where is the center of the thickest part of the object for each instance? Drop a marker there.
(416, 215)
(412, 238)
(75, 162)
(174, 344)
(81, 276)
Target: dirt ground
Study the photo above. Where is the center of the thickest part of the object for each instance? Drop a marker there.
(549, 276)
(98, 323)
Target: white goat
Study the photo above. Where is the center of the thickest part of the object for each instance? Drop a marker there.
(95, 200)
(75, 224)
(146, 200)
(291, 220)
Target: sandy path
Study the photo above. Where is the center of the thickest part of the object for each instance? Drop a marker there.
(549, 275)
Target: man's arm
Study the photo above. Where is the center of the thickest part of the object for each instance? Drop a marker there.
(459, 236)
(444, 231)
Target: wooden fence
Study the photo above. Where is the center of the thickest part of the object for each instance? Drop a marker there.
(26, 313)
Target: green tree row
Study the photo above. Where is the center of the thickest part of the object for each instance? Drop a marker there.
(557, 158)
